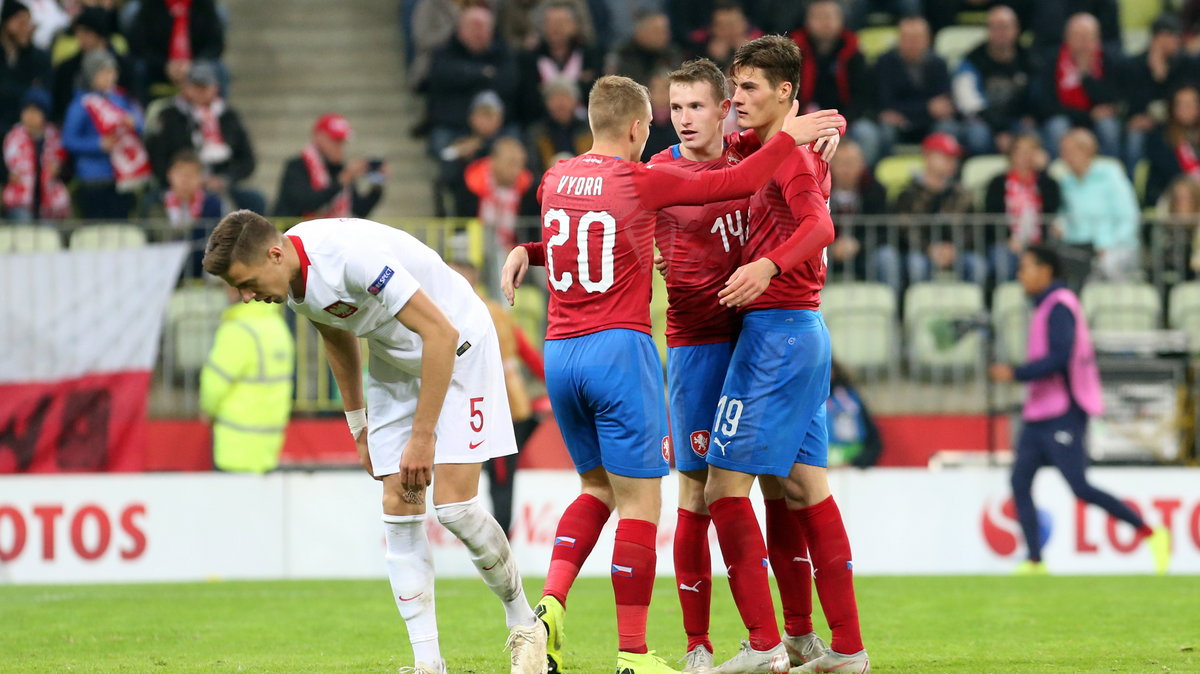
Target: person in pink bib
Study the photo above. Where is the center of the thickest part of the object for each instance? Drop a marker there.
(1062, 391)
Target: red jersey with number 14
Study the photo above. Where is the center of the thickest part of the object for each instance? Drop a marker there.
(702, 246)
(790, 225)
(598, 216)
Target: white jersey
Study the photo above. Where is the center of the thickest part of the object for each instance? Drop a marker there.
(360, 274)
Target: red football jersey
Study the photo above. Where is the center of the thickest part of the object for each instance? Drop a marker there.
(598, 217)
(702, 246)
(790, 225)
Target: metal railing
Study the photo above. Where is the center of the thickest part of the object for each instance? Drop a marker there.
(906, 302)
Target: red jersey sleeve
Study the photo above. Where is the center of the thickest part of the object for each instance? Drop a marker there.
(661, 185)
(801, 189)
(742, 143)
(537, 252)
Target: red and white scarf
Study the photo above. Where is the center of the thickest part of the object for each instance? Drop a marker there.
(1023, 202)
(180, 214)
(208, 136)
(20, 156)
(1186, 155)
(131, 164)
(1069, 81)
(180, 47)
(319, 179)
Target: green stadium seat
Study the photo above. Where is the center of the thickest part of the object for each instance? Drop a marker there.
(978, 171)
(1010, 320)
(1183, 312)
(954, 42)
(1121, 307)
(529, 312)
(929, 309)
(29, 239)
(876, 40)
(1134, 41)
(896, 171)
(862, 324)
(658, 315)
(107, 237)
(193, 315)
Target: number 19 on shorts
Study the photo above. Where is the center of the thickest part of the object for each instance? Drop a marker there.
(729, 413)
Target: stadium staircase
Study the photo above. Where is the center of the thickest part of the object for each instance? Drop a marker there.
(293, 61)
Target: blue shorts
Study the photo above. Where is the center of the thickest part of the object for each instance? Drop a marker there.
(607, 392)
(771, 413)
(695, 375)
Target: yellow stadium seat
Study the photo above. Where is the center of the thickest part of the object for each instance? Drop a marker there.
(529, 311)
(896, 171)
(1134, 41)
(954, 42)
(193, 315)
(875, 40)
(929, 311)
(978, 171)
(658, 315)
(1010, 319)
(29, 239)
(1121, 307)
(107, 237)
(862, 324)
(1184, 312)
(1137, 14)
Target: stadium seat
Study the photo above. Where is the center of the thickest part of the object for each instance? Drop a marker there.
(1138, 14)
(29, 239)
(106, 237)
(1134, 41)
(193, 315)
(862, 324)
(929, 311)
(1183, 309)
(658, 315)
(978, 171)
(1141, 175)
(954, 42)
(1121, 307)
(529, 311)
(896, 171)
(1010, 320)
(875, 40)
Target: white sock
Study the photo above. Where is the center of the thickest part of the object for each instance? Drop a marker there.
(410, 568)
(490, 552)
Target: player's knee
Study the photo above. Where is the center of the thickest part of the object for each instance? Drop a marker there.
(449, 513)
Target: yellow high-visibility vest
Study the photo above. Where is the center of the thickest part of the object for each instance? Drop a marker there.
(246, 387)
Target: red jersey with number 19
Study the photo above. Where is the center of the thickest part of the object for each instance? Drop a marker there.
(790, 225)
(598, 216)
(702, 246)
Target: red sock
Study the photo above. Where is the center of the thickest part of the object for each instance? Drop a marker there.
(573, 541)
(834, 572)
(633, 563)
(788, 552)
(693, 576)
(746, 558)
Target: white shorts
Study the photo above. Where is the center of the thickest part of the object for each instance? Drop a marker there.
(475, 424)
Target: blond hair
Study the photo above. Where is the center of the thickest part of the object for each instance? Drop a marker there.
(616, 101)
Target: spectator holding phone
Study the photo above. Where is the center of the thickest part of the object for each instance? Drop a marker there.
(322, 183)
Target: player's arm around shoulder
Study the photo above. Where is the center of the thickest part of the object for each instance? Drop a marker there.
(439, 346)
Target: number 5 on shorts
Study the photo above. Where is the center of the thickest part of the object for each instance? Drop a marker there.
(729, 413)
(476, 412)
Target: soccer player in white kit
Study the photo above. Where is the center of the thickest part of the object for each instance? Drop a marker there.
(436, 407)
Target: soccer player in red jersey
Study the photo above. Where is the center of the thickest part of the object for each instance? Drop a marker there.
(603, 373)
(701, 247)
(771, 415)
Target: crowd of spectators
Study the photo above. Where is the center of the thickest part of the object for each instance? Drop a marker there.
(114, 110)
(1049, 80)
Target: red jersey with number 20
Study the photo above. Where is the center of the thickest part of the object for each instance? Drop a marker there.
(702, 246)
(598, 216)
(790, 225)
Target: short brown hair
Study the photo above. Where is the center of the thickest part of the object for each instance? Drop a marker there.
(615, 101)
(241, 236)
(701, 70)
(775, 55)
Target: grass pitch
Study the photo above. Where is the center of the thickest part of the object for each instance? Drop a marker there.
(911, 624)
